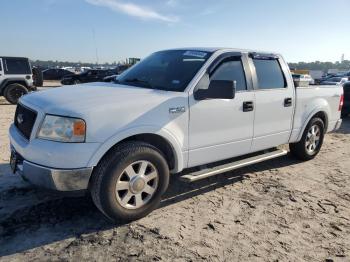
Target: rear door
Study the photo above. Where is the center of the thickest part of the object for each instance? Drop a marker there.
(274, 98)
(222, 128)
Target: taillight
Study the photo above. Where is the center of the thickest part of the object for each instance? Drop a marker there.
(341, 103)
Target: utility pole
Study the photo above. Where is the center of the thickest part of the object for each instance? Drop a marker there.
(94, 39)
(342, 58)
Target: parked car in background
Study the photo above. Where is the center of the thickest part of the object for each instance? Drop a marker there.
(16, 78)
(121, 68)
(303, 79)
(174, 110)
(346, 103)
(344, 74)
(93, 75)
(55, 74)
(335, 80)
(110, 78)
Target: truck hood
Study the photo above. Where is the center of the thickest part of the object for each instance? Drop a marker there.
(81, 99)
(108, 108)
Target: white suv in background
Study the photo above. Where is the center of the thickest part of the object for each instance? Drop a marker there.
(15, 78)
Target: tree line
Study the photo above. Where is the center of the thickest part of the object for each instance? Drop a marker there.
(324, 66)
(58, 64)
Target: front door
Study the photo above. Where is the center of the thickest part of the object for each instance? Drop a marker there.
(222, 128)
(274, 98)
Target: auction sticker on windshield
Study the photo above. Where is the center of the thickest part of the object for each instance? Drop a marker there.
(195, 54)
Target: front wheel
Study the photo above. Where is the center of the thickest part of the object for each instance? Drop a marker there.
(311, 142)
(128, 183)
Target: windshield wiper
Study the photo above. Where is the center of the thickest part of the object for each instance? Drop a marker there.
(137, 80)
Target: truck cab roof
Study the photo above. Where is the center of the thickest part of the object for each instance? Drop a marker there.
(227, 49)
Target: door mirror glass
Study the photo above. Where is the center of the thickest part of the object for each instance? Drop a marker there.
(218, 89)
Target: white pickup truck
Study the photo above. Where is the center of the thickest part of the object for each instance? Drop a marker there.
(176, 109)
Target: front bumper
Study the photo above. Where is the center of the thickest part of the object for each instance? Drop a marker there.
(55, 179)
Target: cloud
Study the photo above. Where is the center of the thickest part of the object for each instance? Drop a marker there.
(172, 3)
(134, 10)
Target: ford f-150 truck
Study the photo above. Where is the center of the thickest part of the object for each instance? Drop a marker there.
(209, 109)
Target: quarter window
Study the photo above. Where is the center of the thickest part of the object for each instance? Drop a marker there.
(0, 65)
(231, 70)
(16, 66)
(269, 74)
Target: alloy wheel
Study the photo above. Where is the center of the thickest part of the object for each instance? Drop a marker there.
(137, 184)
(313, 138)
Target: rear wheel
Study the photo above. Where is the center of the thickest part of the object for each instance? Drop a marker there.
(13, 92)
(311, 142)
(76, 82)
(128, 183)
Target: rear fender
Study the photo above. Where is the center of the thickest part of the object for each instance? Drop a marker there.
(321, 108)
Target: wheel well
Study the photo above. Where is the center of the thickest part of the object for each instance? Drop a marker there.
(324, 118)
(157, 141)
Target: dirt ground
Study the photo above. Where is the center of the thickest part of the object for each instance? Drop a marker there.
(280, 210)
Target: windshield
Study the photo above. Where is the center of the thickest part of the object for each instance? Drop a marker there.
(165, 70)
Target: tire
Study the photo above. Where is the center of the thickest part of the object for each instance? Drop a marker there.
(76, 82)
(37, 77)
(116, 184)
(309, 146)
(13, 92)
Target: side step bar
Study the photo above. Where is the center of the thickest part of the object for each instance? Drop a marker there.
(201, 174)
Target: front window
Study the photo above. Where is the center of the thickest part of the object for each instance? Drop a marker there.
(231, 69)
(165, 70)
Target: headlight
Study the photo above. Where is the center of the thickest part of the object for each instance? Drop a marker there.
(63, 129)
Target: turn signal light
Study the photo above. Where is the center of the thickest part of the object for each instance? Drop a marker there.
(79, 128)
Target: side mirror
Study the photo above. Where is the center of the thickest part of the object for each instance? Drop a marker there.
(218, 89)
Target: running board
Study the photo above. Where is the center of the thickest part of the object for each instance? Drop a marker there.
(198, 175)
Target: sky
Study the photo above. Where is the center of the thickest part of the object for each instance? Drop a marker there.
(112, 30)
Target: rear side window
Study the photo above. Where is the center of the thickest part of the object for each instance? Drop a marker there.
(0, 65)
(231, 70)
(16, 66)
(269, 74)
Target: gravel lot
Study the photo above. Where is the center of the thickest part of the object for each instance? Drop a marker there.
(282, 210)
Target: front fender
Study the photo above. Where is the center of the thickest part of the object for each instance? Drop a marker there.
(180, 157)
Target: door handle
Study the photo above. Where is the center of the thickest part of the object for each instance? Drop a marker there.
(248, 106)
(288, 102)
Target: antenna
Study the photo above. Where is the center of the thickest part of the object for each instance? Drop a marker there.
(94, 39)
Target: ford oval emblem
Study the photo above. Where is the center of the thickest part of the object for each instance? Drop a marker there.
(20, 118)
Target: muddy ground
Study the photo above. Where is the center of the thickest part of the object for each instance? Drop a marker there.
(280, 210)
